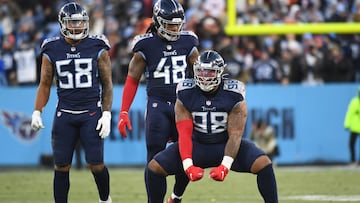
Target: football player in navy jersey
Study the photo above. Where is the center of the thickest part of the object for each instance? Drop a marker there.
(165, 54)
(210, 114)
(82, 69)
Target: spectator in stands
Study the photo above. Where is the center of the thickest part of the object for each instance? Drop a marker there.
(3, 80)
(297, 66)
(285, 66)
(26, 19)
(97, 21)
(338, 68)
(25, 64)
(265, 69)
(264, 137)
(250, 50)
(210, 32)
(8, 47)
(313, 61)
(352, 124)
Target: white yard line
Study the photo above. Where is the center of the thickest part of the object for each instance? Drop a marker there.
(340, 198)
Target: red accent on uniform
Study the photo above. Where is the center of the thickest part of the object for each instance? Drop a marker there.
(185, 129)
(129, 92)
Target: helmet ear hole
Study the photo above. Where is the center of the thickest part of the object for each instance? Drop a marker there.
(74, 21)
(208, 70)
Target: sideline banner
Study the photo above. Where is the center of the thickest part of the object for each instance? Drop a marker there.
(308, 121)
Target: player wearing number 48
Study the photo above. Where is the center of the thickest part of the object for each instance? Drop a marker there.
(82, 69)
(164, 55)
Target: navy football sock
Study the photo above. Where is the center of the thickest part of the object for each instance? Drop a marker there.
(102, 180)
(61, 186)
(267, 184)
(181, 181)
(155, 186)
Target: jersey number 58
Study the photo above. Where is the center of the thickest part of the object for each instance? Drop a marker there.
(81, 78)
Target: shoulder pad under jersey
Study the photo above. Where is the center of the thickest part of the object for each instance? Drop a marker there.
(138, 38)
(235, 86)
(101, 37)
(189, 33)
(49, 40)
(185, 84)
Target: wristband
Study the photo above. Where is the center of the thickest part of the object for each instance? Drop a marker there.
(227, 161)
(187, 163)
(37, 113)
(106, 114)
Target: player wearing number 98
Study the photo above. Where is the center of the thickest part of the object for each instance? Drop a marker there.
(210, 116)
(165, 54)
(82, 69)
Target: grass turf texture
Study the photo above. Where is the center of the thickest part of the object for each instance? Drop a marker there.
(127, 185)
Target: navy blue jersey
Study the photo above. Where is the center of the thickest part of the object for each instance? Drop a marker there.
(76, 70)
(166, 62)
(210, 111)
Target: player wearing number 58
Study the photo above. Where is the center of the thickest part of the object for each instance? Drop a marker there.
(82, 70)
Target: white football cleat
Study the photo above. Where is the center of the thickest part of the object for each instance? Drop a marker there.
(107, 201)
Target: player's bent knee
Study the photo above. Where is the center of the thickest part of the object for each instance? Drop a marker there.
(96, 168)
(260, 163)
(155, 167)
(65, 168)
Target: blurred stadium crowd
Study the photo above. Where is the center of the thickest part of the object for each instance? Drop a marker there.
(308, 59)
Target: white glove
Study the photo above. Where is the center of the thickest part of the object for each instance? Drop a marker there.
(36, 121)
(104, 123)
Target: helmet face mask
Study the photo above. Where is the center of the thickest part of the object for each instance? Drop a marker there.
(208, 69)
(74, 21)
(169, 19)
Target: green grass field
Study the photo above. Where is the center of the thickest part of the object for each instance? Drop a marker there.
(295, 185)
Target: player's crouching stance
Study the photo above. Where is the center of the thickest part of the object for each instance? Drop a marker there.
(211, 113)
(81, 65)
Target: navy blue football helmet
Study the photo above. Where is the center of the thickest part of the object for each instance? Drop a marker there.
(208, 69)
(167, 13)
(74, 21)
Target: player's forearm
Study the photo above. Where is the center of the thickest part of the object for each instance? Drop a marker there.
(236, 126)
(232, 146)
(129, 92)
(107, 98)
(42, 97)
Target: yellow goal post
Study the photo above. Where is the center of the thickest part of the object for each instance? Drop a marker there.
(232, 28)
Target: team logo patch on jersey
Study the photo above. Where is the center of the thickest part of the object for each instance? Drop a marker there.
(19, 125)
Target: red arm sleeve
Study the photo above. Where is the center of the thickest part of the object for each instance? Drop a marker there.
(129, 92)
(185, 129)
